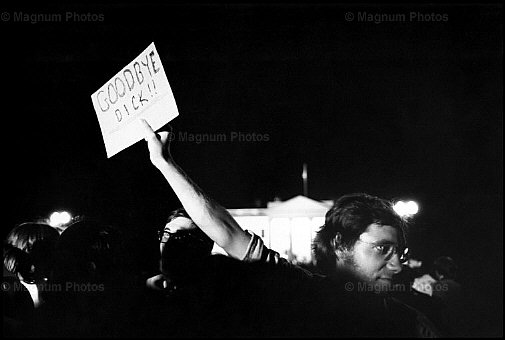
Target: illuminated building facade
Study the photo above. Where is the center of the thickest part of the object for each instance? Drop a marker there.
(287, 227)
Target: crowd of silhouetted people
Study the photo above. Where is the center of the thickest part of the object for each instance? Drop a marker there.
(80, 284)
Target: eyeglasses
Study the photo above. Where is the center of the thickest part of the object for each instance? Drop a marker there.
(387, 250)
(164, 236)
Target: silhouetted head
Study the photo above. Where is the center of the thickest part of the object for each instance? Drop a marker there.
(29, 250)
(444, 267)
(88, 251)
(182, 245)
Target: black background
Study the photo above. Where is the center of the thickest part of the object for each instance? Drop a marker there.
(397, 109)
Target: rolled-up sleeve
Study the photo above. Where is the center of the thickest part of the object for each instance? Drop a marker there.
(257, 251)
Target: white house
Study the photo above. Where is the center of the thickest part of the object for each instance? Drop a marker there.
(287, 227)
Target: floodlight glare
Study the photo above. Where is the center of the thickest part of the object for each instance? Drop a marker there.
(400, 208)
(406, 209)
(413, 208)
(65, 217)
(59, 218)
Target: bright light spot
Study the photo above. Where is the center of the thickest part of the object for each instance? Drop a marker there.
(54, 219)
(406, 208)
(413, 208)
(65, 217)
(59, 218)
(400, 208)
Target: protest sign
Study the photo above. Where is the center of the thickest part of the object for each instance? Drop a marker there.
(139, 90)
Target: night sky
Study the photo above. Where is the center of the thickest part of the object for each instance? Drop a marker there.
(403, 109)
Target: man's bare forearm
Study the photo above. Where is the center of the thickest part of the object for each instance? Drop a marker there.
(212, 218)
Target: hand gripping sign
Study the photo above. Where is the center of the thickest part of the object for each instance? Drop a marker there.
(139, 90)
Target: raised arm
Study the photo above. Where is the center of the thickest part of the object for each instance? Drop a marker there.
(213, 219)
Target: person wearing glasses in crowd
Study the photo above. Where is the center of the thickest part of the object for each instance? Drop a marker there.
(173, 302)
(182, 246)
(362, 245)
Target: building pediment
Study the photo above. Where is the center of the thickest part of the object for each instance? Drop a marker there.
(298, 206)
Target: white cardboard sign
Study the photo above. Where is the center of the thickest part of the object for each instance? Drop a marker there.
(139, 90)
